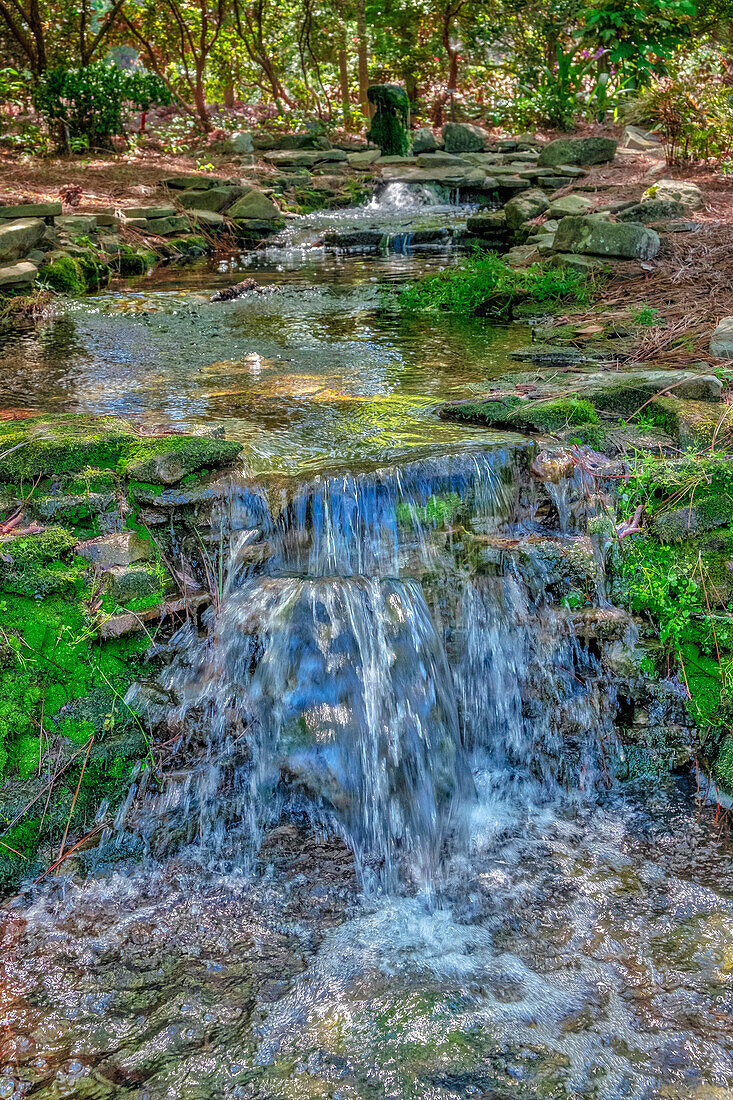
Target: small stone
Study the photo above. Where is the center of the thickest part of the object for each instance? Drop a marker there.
(584, 265)
(721, 342)
(641, 141)
(521, 255)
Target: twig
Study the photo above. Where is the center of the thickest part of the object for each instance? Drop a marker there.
(76, 795)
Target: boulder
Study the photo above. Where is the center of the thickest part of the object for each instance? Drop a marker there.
(423, 141)
(20, 276)
(167, 227)
(464, 137)
(686, 194)
(721, 342)
(570, 205)
(650, 211)
(255, 205)
(594, 234)
(215, 199)
(121, 548)
(19, 237)
(522, 208)
(76, 225)
(208, 218)
(590, 150)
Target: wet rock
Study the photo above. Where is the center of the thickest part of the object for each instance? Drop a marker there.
(595, 235)
(19, 276)
(423, 141)
(721, 342)
(124, 583)
(440, 160)
(464, 137)
(687, 194)
(17, 238)
(591, 150)
(524, 207)
(553, 465)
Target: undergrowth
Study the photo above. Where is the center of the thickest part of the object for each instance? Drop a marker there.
(487, 286)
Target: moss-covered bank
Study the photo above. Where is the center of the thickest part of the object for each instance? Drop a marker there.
(83, 589)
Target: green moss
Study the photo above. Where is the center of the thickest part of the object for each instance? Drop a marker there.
(47, 546)
(493, 413)
(65, 275)
(724, 764)
(389, 125)
(692, 423)
(167, 459)
(554, 415)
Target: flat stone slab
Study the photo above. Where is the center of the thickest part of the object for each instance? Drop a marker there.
(304, 158)
(18, 276)
(18, 238)
(32, 210)
(149, 211)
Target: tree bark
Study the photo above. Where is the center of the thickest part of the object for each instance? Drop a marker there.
(344, 85)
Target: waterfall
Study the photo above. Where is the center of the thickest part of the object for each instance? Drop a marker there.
(382, 670)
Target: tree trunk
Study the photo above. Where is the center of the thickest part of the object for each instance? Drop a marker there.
(199, 100)
(344, 85)
(228, 94)
(363, 57)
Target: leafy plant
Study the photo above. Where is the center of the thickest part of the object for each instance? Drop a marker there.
(86, 105)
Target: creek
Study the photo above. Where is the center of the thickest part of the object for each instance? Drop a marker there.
(401, 850)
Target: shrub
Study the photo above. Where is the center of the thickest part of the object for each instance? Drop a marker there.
(85, 105)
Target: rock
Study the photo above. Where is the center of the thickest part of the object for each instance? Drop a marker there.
(441, 160)
(31, 210)
(255, 205)
(165, 460)
(208, 218)
(464, 137)
(524, 207)
(215, 199)
(694, 423)
(521, 255)
(423, 141)
(584, 265)
(149, 212)
(241, 141)
(305, 158)
(702, 514)
(595, 235)
(650, 211)
(641, 141)
(228, 294)
(76, 225)
(721, 342)
(133, 582)
(570, 205)
(191, 182)
(18, 276)
(363, 159)
(591, 150)
(553, 183)
(686, 194)
(167, 227)
(571, 170)
(123, 548)
(17, 238)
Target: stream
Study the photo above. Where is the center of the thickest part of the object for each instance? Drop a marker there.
(400, 852)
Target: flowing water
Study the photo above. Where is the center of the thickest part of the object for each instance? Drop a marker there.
(397, 853)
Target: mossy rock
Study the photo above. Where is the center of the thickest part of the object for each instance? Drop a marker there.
(69, 444)
(724, 764)
(703, 513)
(65, 275)
(165, 460)
(693, 423)
(514, 414)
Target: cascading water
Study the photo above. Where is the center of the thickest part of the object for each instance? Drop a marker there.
(367, 677)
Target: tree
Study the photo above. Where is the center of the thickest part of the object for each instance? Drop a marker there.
(41, 33)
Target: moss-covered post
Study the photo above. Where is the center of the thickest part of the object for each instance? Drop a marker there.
(389, 125)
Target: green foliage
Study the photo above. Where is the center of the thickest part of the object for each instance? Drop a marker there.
(646, 315)
(487, 286)
(638, 35)
(87, 103)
